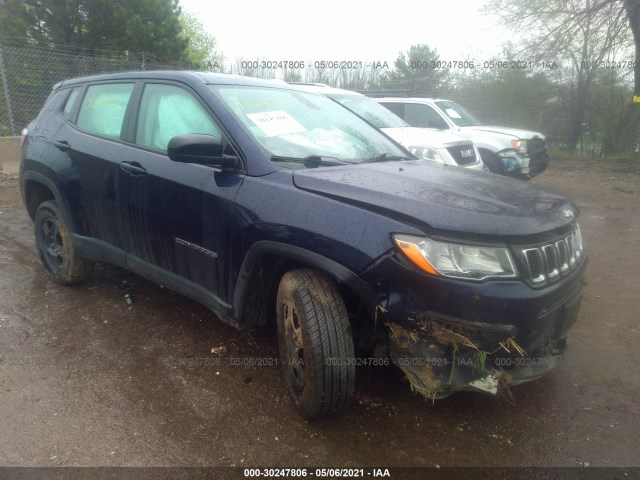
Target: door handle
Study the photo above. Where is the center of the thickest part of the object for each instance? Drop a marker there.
(134, 168)
(62, 145)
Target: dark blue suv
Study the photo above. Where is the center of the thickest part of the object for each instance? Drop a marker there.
(274, 205)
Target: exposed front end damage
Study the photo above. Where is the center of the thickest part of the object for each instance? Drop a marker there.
(441, 355)
(447, 335)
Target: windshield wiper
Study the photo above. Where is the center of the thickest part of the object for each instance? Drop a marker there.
(383, 157)
(311, 161)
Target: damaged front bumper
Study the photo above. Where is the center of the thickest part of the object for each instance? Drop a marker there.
(442, 355)
(448, 335)
(513, 163)
(517, 165)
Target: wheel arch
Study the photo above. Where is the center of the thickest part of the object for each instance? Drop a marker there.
(36, 188)
(266, 262)
(491, 160)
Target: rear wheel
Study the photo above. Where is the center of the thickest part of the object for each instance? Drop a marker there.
(316, 346)
(55, 248)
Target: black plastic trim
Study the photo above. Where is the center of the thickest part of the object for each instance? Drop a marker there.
(100, 251)
(339, 272)
(43, 180)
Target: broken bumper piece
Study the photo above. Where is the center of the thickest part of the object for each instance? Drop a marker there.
(441, 355)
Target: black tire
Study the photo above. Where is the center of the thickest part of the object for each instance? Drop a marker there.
(492, 161)
(316, 346)
(55, 247)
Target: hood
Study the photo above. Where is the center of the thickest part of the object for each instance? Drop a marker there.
(442, 197)
(511, 132)
(408, 136)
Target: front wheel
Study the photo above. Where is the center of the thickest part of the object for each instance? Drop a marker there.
(55, 248)
(316, 346)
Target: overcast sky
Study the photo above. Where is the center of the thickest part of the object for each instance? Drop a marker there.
(347, 30)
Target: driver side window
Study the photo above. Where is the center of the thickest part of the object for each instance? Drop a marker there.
(167, 111)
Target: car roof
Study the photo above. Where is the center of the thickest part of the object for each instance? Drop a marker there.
(205, 78)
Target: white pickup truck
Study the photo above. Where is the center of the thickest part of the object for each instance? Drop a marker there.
(426, 144)
(505, 151)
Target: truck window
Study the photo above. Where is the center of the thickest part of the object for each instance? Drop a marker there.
(419, 115)
(397, 108)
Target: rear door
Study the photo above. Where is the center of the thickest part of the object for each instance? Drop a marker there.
(178, 217)
(92, 138)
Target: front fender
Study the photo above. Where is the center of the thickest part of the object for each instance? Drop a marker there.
(340, 273)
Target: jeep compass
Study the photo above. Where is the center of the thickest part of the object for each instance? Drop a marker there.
(277, 207)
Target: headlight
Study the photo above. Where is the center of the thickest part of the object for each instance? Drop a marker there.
(520, 146)
(469, 262)
(426, 153)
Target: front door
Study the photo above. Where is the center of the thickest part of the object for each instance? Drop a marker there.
(180, 217)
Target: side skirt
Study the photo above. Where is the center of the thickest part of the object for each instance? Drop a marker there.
(100, 251)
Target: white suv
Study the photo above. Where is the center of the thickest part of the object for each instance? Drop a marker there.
(425, 144)
(506, 151)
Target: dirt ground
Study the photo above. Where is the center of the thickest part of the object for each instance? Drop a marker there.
(87, 379)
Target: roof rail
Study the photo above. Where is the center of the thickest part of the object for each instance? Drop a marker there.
(395, 93)
(309, 83)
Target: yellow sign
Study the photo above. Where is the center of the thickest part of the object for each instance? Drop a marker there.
(636, 99)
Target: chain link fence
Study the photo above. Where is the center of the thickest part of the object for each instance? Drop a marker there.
(532, 102)
(28, 73)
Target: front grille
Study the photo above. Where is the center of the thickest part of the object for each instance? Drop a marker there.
(536, 148)
(463, 154)
(549, 262)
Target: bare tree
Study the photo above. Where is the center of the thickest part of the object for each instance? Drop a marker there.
(626, 135)
(579, 34)
(291, 74)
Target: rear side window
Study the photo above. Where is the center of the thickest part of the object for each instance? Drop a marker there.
(71, 102)
(104, 107)
(167, 111)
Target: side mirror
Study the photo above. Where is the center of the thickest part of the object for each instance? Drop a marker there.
(199, 149)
